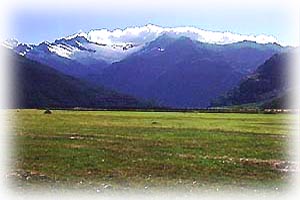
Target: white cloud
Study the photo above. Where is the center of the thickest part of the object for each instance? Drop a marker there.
(144, 34)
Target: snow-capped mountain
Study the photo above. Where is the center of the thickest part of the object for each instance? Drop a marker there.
(181, 72)
(114, 45)
(85, 54)
(78, 47)
(178, 67)
(74, 55)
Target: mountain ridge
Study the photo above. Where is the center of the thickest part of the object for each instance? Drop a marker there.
(39, 86)
(195, 72)
(268, 85)
(177, 71)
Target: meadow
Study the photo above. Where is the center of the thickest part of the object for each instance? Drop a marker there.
(118, 150)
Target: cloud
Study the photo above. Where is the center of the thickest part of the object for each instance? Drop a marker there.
(147, 33)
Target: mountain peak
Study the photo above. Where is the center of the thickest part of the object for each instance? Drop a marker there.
(79, 34)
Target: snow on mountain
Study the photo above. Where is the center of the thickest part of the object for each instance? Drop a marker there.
(114, 45)
(62, 50)
(23, 48)
(148, 33)
(20, 48)
(78, 47)
(10, 43)
(107, 52)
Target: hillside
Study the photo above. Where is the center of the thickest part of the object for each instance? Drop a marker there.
(183, 73)
(37, 85)
(267, 85)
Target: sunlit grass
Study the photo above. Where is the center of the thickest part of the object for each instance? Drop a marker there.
(134, 149)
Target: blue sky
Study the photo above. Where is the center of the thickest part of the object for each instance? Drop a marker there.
(35, 24)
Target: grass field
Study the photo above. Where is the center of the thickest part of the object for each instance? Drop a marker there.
(124, 149)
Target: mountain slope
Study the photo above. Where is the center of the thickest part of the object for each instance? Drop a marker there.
(246, 56)
(37, 85)
(180, 72)
(84, 55)
(269, 83)
(75, 55)
(178, 67)
(57, 56)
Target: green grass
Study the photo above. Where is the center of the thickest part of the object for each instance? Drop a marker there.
(152, 149)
